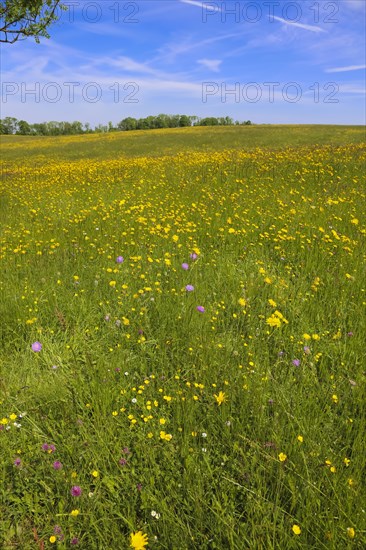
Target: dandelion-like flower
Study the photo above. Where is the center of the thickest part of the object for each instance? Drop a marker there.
(220, 398)
(138, 540)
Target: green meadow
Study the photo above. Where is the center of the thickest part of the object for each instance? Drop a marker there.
(183, 340)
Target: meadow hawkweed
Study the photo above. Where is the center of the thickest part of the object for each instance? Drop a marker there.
(220, 398)
(138, 540)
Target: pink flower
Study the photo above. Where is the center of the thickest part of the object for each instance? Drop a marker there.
(76, 491)
(36, 346)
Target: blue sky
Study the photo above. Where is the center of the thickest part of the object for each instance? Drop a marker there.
(267, 61)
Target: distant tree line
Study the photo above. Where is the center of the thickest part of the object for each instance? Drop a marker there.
(10, 125)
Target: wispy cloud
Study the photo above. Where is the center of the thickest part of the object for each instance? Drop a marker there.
(352, 88)
(212, 64)
(346, 69)
(170, 51)
(202, 5)
(312, 28)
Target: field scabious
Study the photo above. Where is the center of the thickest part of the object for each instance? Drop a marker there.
(183, 334)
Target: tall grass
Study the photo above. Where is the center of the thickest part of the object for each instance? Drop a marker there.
(240, 424)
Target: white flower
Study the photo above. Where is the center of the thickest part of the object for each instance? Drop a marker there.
(204, 434)
(134, 400)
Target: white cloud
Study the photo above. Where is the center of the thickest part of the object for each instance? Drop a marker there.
(346, 69)
(212, 64)
(312, 28)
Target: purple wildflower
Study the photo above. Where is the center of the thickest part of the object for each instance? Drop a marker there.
(139, 486)
(75, 491)
(185, 266)
(120, 259)
(17, 462)
(201, 309)
(122, 462)
(57, 465)
(57, 530)
(296, 362)
(74, 541)
(307, 350)
(189, 288)
(36, 346)
(126, 451)
(193, 256)
(349, 333)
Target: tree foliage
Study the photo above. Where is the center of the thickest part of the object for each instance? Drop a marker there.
(10, 125)
(20, 19)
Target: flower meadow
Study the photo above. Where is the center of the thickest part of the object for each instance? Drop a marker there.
(183, 345)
